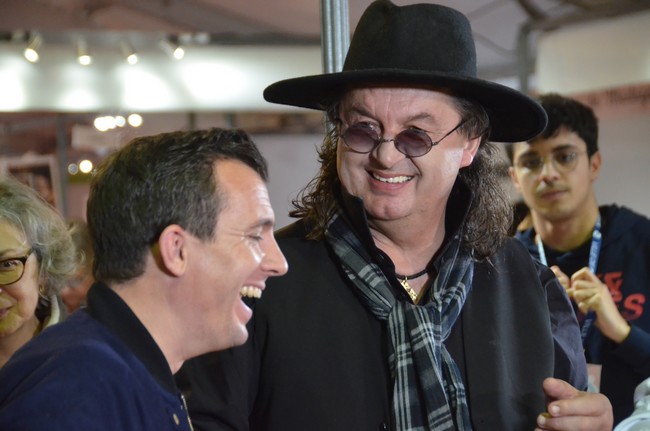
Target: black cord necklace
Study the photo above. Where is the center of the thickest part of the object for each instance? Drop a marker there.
(411, 277)
(404, 281)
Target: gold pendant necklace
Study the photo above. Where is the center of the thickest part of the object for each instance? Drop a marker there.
(405, 284)
(404, 281)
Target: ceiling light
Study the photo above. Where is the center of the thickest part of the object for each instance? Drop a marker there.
(104, 123)
(73, 169)
(85, 166)
(135, 120)
(31, 52)
(171, 46)
(128, 51)
(83, 56)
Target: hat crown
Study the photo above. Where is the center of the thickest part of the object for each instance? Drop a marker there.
(419, 38)
(425, 45)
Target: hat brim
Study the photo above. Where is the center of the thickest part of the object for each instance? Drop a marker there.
(514, 117)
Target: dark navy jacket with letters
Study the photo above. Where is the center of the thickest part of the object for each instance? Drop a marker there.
(624, 266)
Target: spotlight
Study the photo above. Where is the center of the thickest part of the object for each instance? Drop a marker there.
(135, 120)
(128, 51)
(104, 123)
(31, 52)
(83, 56)
(171, 46)
(85, 166)
(73, 169)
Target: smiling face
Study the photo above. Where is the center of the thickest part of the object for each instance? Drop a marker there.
(18, 300)
(392, 185)
(237, 261)
(555, 192)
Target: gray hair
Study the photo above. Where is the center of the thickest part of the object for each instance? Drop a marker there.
(44, 229)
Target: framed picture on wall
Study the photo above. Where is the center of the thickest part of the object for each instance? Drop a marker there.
(40, 172)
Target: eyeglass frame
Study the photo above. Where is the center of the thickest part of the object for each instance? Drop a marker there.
(21, 259)
(380, 140)
(558, 166)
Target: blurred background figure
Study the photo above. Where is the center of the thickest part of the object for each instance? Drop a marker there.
(35, 261)
(599, 252)
(74, 292)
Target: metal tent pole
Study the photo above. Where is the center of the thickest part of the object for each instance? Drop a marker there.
(335, 34)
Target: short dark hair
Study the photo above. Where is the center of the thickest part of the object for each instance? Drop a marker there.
(575, 116)
(156, 181)
(564, 112)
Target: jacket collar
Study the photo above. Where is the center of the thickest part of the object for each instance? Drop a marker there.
(106, 306)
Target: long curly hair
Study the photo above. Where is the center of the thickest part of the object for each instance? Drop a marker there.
(490, 214)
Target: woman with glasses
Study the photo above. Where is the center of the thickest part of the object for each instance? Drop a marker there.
(36, 257)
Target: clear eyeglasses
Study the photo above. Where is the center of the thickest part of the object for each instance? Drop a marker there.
(563, 160)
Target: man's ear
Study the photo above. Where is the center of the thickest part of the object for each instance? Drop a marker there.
(172, 245)
(470, 151)
(595, 162)
(515, 179)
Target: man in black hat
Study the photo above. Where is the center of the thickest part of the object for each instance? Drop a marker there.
(407, 306)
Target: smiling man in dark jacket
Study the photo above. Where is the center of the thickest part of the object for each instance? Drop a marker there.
(407, 307)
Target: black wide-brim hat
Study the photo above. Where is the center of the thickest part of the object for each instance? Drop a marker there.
(424, 45)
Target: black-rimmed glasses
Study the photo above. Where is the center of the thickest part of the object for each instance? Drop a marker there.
(12, 269)
(362, 138)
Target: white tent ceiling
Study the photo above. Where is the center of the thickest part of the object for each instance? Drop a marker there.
(276, 38)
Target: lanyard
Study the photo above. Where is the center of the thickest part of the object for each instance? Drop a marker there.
(594, 251)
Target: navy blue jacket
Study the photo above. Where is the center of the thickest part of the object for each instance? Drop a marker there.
(624, 266)
(98, 370)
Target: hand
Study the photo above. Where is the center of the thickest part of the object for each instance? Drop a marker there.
(562, 277)
(592, 295)
(569, 409)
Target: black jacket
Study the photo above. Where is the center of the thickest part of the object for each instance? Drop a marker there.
(317, 359)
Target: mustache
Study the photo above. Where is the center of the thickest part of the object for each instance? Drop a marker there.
(544, 189)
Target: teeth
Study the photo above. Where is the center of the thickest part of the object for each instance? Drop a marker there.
(251, 292)
(393, 180)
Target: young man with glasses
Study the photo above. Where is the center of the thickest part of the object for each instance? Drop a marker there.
(407, 306)
(601, 255)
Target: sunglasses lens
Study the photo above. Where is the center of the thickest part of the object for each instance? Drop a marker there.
(413, 143)
(360, 139)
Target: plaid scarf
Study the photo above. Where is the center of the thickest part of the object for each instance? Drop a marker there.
(428, 389)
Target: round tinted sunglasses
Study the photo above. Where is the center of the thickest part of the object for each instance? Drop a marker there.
(362, 138)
